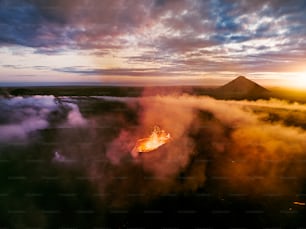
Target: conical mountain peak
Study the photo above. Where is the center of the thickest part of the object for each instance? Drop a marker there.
(242, 86)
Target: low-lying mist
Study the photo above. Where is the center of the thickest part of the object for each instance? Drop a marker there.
(21, 116)
(235, 145)
(250, 155)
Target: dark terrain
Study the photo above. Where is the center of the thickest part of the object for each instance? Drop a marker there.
(238, 89)
(84, 188)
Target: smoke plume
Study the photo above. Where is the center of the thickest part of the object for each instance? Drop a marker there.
(22, 116)
(255, 148)
(252, 155)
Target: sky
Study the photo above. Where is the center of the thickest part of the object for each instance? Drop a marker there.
(152, 42)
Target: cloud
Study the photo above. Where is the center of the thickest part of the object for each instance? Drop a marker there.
(21, 131)
(205, 36)
(92, 20)
(58, 24)
(22, 116)
(30, 23)
(74, 117)
(134, 72)
(59, 158)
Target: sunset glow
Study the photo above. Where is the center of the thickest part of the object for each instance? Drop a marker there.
(152, 42)
(152, 113)
(299, 81)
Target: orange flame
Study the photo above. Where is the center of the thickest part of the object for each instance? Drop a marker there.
(157, 138)
(299, 203)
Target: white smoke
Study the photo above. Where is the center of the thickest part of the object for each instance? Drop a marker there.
(74, 117)
(20, 116)
(242, 144)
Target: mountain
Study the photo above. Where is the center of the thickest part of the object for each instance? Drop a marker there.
(242, 88)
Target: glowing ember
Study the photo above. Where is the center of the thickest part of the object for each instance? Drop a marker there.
(299, 203)
(157, 138)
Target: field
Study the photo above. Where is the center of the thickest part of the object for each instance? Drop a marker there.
(66, 162)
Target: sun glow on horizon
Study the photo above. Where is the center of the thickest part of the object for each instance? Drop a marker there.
(299, 80)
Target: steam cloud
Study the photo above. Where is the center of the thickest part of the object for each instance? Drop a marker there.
(255, 148)
(21, 116)
(252, 155)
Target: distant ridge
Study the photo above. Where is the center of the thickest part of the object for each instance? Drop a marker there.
(241, 87)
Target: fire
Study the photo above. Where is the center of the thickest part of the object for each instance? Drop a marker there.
(157, 138)
(299, 203)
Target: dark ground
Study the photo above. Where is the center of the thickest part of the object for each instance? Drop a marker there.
(36, 192)
(281, 93)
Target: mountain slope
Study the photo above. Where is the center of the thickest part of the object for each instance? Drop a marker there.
(242, 88)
